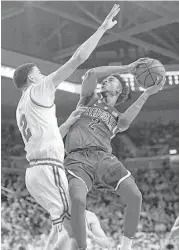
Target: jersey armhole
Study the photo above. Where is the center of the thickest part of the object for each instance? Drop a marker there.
(39, 104)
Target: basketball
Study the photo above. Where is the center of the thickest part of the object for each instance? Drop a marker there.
(146, 73)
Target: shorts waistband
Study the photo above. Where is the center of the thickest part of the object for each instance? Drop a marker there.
(46, 161)
(86, 149)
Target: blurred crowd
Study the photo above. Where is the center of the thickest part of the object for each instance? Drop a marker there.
(148, 140)
(154, 139)
(160, 189)
(25, 225)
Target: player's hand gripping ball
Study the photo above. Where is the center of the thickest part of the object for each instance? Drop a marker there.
(157, 87)
(148, 71)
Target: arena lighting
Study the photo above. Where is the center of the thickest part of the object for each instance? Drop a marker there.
(173, 78)
(172, 151)
(65, 86)
(172, 73)
(70, 87)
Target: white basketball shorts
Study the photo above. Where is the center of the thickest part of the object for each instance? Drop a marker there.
(46, 181)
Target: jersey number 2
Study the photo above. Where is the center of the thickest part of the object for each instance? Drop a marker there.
(25, 130)
(93, 124)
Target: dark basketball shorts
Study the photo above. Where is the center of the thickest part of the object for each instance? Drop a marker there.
(96, 168)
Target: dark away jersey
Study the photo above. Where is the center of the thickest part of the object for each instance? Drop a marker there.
(96, 126)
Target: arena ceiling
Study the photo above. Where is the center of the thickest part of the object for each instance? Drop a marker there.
(53, 30)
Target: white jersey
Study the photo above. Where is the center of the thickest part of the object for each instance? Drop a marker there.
(37, 122)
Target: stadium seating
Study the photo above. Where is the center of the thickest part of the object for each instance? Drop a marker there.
(159, 186)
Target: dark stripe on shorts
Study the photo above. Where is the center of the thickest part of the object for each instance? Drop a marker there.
(64, 213)
(58, 184)
(60, 220)
(63, 193)
(56, 221)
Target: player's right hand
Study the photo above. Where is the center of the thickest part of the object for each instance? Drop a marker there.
(157, 87)
(75, 115)
(108, 22)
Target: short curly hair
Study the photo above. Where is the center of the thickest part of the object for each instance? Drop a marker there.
(125, 90)
(21, 74)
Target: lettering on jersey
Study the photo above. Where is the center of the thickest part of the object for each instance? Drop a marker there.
(103, 115)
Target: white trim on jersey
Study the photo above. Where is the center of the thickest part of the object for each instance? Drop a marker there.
(122, 179)
(78, 178)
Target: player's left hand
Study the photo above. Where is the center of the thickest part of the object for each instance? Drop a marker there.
(157, 87)
(133, 66)
(75, 115)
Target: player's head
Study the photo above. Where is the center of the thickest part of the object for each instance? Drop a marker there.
(27, 74)
(115, 86)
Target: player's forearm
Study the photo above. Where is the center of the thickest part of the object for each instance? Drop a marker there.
(131, 113)
(85, 50)
(109, 70)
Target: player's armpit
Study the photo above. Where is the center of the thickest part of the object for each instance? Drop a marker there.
(43, 94)
(89, 84)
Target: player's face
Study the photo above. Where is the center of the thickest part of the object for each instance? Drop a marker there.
(111, 85)
(36, 76)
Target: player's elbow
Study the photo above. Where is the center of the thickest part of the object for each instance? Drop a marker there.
(123, 124)
(90, 73)
(80, 57)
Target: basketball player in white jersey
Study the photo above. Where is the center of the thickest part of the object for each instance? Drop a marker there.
(94, 232)
(45, 178)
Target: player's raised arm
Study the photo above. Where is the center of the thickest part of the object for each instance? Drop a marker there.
(90, 78)
(85, 50)
(130, 114)
(44, 93)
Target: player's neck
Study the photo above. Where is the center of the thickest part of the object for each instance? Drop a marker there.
(26, 87)
(110, 100)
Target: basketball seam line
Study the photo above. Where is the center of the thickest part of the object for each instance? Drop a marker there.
(147, 70)
(150, 74)
(145, 79)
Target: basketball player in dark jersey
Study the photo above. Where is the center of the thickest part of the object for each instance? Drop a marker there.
(90, 161)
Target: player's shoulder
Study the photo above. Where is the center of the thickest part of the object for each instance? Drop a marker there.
(24, 96)
(88, 100)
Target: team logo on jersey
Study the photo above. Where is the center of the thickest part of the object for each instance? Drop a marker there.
(103, 115)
